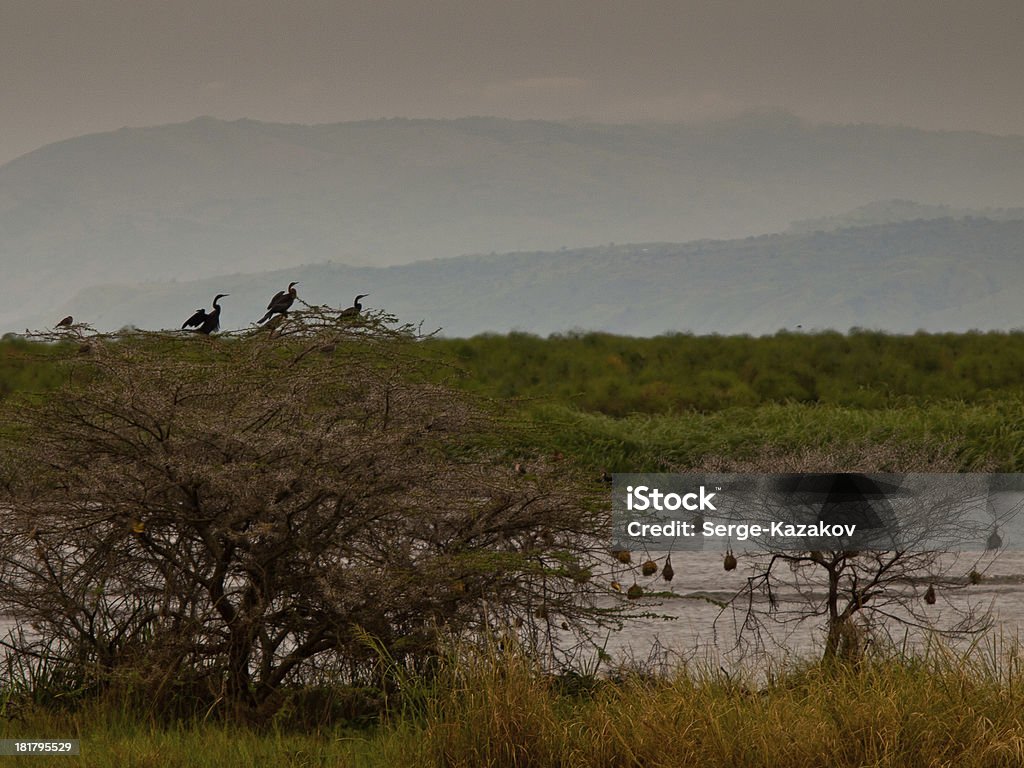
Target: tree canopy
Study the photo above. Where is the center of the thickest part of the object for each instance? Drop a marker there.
(232, 515)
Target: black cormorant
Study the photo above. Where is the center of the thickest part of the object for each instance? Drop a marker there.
(356, 307)
(206, 322)
(280, 304)
(195, 320)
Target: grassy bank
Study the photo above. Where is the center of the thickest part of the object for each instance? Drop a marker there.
(950, 436)
(629, 404)
(618, 375)
(500, 711)
(671, 374)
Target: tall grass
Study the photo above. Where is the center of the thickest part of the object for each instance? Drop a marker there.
(497, 708)
(646, 404)
(939, 709)
(618, 375)
(958, 436)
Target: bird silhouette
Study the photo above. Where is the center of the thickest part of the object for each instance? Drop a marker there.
(281, 303)
(206, 322)
(67, 322)
(195, 320)
(356, 307)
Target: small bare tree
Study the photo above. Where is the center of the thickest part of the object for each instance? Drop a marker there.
(235, 514)
(927, 545)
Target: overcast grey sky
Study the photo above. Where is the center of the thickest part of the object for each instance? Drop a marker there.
(74, 67)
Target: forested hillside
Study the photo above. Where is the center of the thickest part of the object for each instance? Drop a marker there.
(940, 275)
(205, 198)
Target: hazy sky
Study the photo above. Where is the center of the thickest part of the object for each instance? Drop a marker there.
(80, 66)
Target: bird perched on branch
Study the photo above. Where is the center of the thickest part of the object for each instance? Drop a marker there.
(206, 322)
(281, 303)
(356, 307)
(67, 322)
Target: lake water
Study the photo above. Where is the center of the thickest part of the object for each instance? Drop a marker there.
(698, 630)
(690, 627)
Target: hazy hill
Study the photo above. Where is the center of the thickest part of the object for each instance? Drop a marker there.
(204, 198)
(892, 211)
(938, 275)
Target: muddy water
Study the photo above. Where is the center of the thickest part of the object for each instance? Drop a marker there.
(698, 630)
(692, 628)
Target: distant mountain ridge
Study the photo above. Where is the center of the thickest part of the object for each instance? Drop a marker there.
(893, 211)
(939, 275)
(195, 200)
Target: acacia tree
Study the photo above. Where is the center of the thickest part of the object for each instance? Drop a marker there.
(903, 575)
(856, 593)
(238, 513)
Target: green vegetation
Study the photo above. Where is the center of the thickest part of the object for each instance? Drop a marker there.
(27, 367)
(652, 403)
(864, 399)
(619, 375)
(794, 402)
(951, 436)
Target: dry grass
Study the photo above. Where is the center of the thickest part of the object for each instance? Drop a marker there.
(500, 710)
(940, 710)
